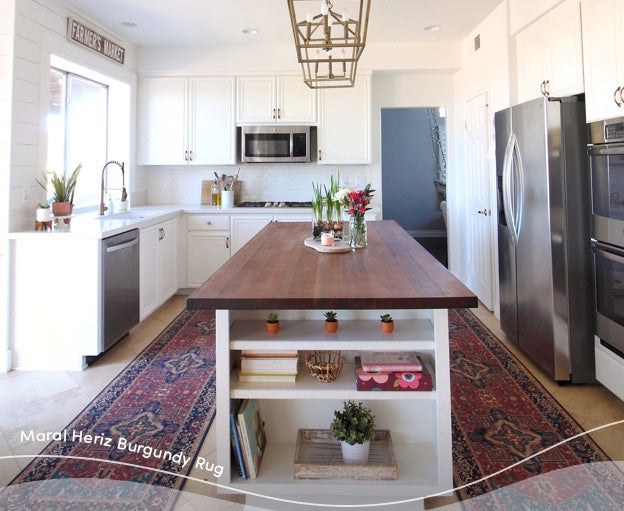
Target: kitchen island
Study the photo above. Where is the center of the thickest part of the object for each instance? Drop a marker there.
(275, 272)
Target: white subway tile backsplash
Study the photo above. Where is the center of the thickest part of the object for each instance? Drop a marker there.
(259, 182)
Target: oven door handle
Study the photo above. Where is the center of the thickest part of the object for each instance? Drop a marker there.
(605, 149)
(610, 252)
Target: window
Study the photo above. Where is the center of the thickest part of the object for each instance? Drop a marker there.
(78, 132)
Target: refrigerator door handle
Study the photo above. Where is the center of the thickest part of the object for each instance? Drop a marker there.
(508, 188)
(518, 188)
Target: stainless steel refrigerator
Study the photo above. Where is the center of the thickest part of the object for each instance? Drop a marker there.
(543, 235)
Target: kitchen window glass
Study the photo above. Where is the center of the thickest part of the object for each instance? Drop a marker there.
(77, 128)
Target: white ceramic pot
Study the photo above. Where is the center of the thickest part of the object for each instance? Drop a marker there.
(44, 214)
(356, 454)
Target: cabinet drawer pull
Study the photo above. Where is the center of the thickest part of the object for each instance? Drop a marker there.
(227, 242)
(617, 92)
(320, 155)
(273, 113)
(279, 113)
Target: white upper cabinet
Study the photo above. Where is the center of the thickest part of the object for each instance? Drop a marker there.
(275, 99)
(344, 124)
(550, 54)
(603, 37)
(187, 121)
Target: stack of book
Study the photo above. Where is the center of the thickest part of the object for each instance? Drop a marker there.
(247, 436)
(402, 371)
(268, 366)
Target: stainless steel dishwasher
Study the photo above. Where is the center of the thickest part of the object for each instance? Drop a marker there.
(120, 286)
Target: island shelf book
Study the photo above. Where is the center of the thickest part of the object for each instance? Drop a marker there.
(392, 380)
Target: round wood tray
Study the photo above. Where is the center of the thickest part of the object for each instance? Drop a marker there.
(338, 246)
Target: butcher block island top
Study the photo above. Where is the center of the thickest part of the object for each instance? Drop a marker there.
(276, 270)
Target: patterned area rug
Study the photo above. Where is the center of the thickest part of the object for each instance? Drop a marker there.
(503, 415)
(154, 414)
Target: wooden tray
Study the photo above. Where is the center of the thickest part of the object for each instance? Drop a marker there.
(338, 246)
(318, 456)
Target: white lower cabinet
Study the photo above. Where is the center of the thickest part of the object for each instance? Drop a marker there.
(159, 268)
(207, 247)
(419, 421)
(245, 227)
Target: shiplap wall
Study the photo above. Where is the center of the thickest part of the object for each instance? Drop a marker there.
(7, 26)
(40, 29)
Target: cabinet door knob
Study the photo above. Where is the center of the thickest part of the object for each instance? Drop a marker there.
(208, 222)
(618, 92)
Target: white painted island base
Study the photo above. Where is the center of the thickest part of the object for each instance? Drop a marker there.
(419, 421)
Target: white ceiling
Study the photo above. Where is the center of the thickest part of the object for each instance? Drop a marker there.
(218, 22)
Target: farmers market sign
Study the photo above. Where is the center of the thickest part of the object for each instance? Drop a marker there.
(85, 36)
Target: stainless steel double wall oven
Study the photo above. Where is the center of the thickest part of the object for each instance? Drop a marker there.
(606, 159)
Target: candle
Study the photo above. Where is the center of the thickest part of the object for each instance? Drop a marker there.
(327, 239)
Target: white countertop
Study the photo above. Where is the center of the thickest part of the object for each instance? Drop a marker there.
(93, 226)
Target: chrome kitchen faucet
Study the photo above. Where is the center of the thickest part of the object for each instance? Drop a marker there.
(103, 208)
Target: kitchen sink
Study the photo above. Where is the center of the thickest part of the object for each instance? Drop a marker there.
(131, 215)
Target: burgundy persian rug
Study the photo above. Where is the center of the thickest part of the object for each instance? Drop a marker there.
(501, 416)
(145, 427)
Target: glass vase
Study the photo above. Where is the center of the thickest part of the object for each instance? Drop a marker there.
(357, 231)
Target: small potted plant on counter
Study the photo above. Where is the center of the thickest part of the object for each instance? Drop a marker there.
(272, 323)
(331, 323)
(63, 189)
(43, 218)
(387, 324)
(354, 427)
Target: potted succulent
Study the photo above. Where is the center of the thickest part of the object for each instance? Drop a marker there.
(63, 189)
(331, 323)
(272, 323)
(354, 427)
(43, 212)
(387, 323)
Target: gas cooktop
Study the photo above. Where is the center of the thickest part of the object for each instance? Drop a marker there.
(274, 204)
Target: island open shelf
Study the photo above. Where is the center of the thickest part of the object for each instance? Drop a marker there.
(395, 275)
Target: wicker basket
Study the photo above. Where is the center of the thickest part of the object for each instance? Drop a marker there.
(325, 366)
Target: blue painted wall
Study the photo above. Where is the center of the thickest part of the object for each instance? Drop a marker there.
(408, 170)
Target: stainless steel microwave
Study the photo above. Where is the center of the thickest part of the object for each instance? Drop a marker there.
(288, 144)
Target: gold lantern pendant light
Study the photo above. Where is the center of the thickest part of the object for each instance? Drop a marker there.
(329, 42)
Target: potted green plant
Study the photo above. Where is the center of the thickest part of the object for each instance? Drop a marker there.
(317, 209)
(272, 323)
(43, 212)
(387, 323)
(354, 427)
(63, 189)
(331, 323)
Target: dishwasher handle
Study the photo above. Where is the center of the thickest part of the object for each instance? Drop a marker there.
(121, 246)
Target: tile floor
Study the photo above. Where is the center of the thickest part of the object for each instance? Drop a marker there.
(48, 401)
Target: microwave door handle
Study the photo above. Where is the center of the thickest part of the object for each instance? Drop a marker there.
(292, 148)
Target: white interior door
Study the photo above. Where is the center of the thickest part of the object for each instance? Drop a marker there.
(479, 220)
